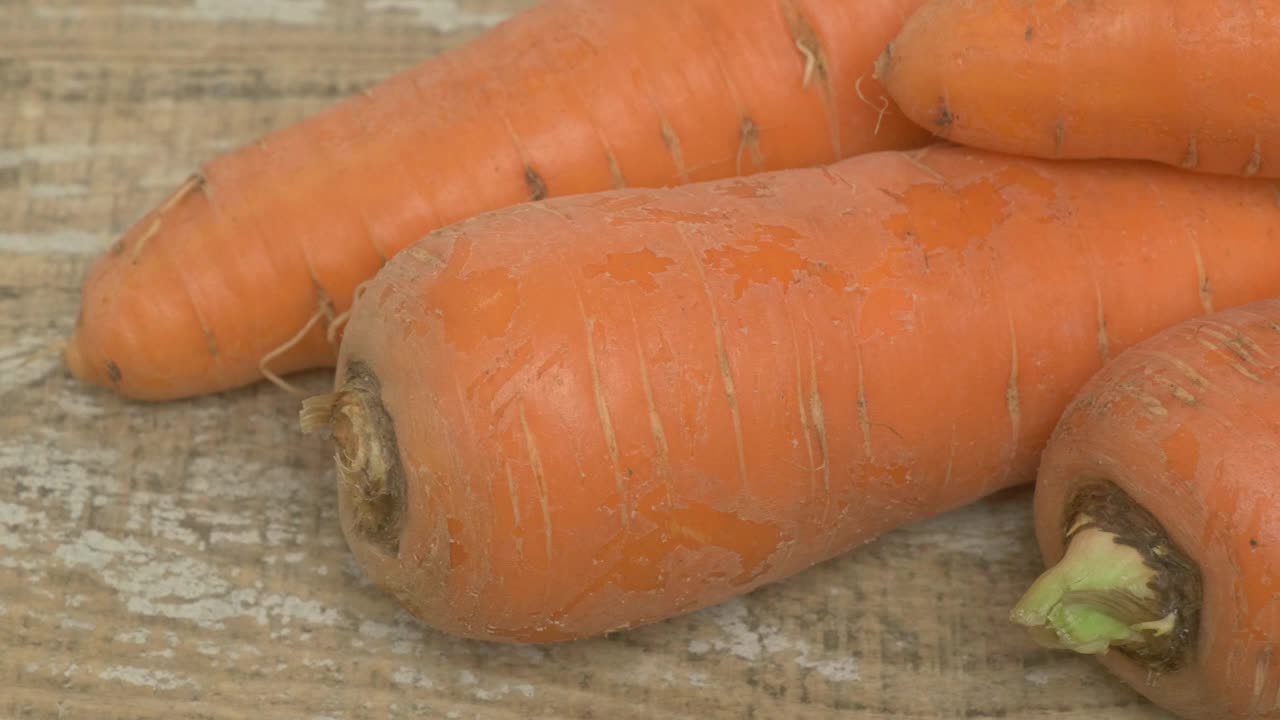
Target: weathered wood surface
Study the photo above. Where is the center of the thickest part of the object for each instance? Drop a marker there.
(184, 560)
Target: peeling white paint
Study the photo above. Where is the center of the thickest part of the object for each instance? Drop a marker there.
(147, 678)
(500, 692)
(249, 536)
(68, 242)
(740, 640)
(57, 473)
(412, 678)
(17, 523)
(233, 477)
(58, 12)
(183, 588)
(441, 15)
(166, 523)
(51, 191)
(285, 12)
(210, 649)
(133, 637)
(66, 622)
(838, 670)
(291, 608)
(755, 644)
(65, 153)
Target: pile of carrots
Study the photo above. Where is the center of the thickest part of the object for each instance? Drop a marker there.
(636, 306)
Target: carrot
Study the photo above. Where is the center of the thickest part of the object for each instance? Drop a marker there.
(565, 418)
(247, 270)
(1155, 510)
(1183, 83)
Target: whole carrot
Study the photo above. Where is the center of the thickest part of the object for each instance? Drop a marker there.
(565, 418)
(248, 268)
(1189, 84)
(1155, 510)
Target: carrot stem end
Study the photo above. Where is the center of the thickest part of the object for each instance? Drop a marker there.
(1098, 596)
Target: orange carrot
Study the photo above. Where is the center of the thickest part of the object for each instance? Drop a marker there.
(1190, 84)
(1155, 508)
(565, 418)
(248, 268)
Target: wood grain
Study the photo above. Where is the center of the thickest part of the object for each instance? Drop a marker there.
(184, 559)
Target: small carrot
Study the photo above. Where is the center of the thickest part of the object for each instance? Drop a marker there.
(1189, 84)
(1155, 510)
(565, 418)
(246, 269)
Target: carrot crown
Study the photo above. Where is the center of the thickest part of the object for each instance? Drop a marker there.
(1120, 584)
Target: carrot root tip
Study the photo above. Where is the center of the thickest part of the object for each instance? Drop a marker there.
(366, 453)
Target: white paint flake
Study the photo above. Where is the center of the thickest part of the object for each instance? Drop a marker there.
(441, 15)
(284, 12)
(147, 678)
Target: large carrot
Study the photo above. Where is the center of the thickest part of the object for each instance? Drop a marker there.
(1190, 84)
(241, 272)
(570, 417)
(1156, 510)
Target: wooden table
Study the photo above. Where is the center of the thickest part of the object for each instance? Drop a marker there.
(184, 559)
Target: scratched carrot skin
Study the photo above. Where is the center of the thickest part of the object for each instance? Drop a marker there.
(1190, 84)
(247, 269)
(565, 418)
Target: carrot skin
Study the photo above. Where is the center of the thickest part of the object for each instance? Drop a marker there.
(1186, 424)
(614, 408)
(569, 97)
(1183, 83)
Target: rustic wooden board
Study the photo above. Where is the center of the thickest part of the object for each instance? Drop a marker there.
(184, 559)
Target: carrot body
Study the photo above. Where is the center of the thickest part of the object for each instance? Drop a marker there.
(1183, 83)
(569, 97)
(608, 409)
(1187, 424)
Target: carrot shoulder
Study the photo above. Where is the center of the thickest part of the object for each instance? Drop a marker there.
(1155, 508)
(565, 418)
(250, 264)
(1183, 83)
